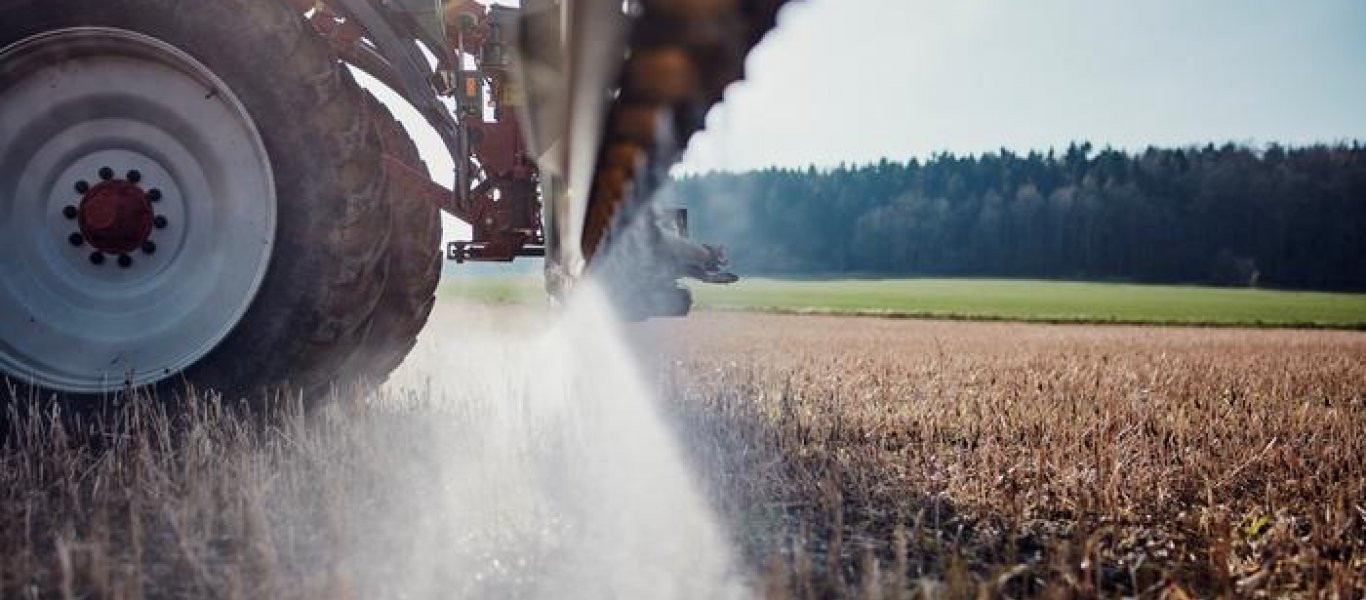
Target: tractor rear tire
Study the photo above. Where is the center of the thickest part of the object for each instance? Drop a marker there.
(290, 323)
(414, 261)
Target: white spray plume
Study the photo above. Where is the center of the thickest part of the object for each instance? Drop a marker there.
(541, 469)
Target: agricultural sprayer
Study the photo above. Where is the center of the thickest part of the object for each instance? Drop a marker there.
(199, 191)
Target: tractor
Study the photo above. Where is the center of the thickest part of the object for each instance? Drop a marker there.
(199, 192)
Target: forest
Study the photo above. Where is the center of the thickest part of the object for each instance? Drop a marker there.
(1229, 215)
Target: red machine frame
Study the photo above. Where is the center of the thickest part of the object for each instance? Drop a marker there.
(497, 190)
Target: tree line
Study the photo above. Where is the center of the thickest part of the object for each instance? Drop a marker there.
(1230, 215)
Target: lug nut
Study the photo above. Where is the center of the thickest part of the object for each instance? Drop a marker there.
(106, 173)
(149, 247)
(135, 176)
(82, 187)
(160, 222)
(154, 194)
(70, 212)
(76, 239)
(97, 258)
(125, 261)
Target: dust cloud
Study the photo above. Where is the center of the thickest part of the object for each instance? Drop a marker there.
(539, 468)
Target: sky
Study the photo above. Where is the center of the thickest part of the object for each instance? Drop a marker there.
(859, 80)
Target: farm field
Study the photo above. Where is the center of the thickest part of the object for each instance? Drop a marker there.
(493, 289)
(987, 299)
(1041, 301)
(879, 455)
(844, 457)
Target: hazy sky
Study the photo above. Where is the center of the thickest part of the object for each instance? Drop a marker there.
(858, 80)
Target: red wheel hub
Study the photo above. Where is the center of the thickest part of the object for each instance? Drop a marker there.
(116, 216)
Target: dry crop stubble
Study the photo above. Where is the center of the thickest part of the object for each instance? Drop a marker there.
(524, 459)
(870, 456)
(847, 457)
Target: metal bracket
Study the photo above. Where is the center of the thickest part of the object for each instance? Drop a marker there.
(463, 252)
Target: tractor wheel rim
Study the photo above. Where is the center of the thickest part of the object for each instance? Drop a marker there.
(103, 132)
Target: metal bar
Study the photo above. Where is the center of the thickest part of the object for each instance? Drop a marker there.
(463, 252)
(371, 62)
(418, 184)
(599, 33)
(413, 72)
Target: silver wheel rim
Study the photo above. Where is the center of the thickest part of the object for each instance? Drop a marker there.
(73, 102)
